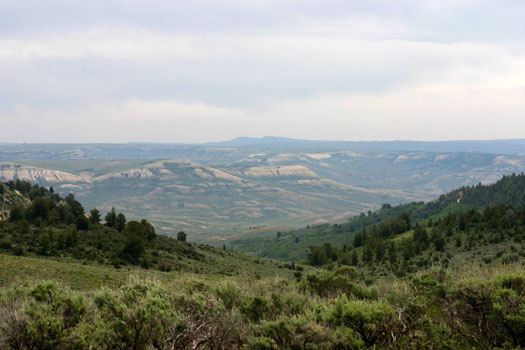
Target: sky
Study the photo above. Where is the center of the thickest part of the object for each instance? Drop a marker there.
(208, 70)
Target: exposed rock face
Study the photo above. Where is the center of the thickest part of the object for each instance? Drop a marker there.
(36, 174)
(319, 156)
(128, 174)
(508, 161)
(276, 171)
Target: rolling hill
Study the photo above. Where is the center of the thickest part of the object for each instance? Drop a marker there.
(41, 224)
(217, 191)
(200, 199)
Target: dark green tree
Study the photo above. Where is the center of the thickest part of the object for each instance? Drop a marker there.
(181, 236)
(120, 223)
(17, 213)
(355, 259)
(39, 208)
(111, 218)
(133, 248)
(142, 229)
(95, 216)
(82, 223)
(75, 208)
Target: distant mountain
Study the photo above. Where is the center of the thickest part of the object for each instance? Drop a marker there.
(511, 146)
(227, 152)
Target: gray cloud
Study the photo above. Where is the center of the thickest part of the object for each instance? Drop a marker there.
(242, 63)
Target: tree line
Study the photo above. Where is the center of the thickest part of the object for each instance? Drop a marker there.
(44, 223)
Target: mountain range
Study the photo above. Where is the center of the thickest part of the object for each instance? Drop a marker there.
(243, 146)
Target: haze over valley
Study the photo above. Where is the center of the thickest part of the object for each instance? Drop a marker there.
(211, 191)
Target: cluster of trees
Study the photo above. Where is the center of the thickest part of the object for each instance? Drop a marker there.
(510, 190)
(29, 190)
(48, 208)
(457, 231)
(46, 224)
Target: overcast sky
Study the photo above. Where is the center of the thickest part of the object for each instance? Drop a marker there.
(194, 71)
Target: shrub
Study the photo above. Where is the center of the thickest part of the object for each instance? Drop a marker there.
(229, 294)
(334, 283)
(372, 320)
(255, 309)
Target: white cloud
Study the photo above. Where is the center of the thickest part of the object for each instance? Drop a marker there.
(207, 70)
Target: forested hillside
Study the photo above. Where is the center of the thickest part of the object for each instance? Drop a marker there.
(38, 222)
(294, 245)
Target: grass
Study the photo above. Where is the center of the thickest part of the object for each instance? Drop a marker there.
(402, 236)
(15, 270)
(82, 276)
(87, 276)
(106, 306)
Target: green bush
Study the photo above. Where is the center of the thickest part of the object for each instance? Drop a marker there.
(371, 320)
(334, 283)
(229, 294)
(435, 310)
(255, 309)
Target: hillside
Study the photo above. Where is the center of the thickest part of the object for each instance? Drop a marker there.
(397, 248)
(121, 285)
(42, 224)
(294, 245)
(204, 200)
(8, 199)
(100, 307)
(214, 192)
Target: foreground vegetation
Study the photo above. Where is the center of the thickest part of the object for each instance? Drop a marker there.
(439, 309)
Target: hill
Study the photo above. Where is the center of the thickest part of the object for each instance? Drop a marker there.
(40, 223)
(294, 245)
(204, 200)
(234, 189)
(244, 144)
(510, 146)
(412, 287)
(100, 307)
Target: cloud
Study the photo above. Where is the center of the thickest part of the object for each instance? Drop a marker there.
(225, 69)
(198, 70)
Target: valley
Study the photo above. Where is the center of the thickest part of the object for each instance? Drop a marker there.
(216, 191)
(199, 199)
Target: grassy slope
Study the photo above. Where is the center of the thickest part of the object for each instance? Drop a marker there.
(434, 310)
(215, 262)
(83, 276)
